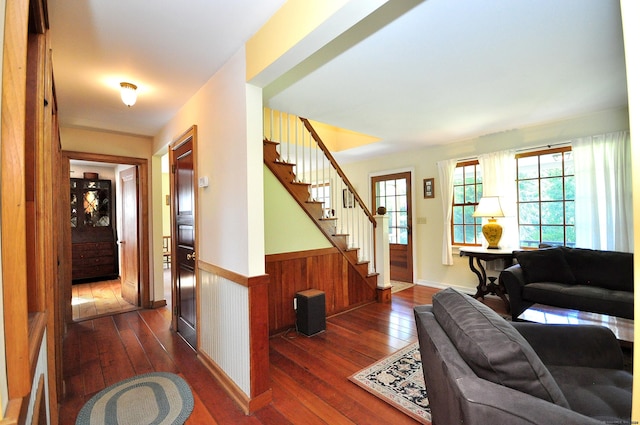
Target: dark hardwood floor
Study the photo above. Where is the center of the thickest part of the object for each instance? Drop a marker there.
(309, 375)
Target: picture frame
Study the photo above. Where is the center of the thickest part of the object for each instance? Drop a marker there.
(428, 186)
(347, 199)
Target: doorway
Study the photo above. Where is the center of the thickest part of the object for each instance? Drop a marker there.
(183, 236)
(393, 191)
(104, 296)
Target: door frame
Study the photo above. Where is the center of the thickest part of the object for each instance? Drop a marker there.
(191, 134)
(143, 223)
(412, 171)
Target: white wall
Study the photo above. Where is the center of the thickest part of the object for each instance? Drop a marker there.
(287, 227)
(428, 236)
(233, 163)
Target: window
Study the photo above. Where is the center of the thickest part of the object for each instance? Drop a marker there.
(467, 191)
(321, 192)
(546, 198)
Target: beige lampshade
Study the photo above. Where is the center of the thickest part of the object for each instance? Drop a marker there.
(489, 206)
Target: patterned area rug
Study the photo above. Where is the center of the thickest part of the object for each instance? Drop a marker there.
(397, 379)
(152, 398)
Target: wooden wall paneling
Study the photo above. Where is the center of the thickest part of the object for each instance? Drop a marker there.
(12, 197)
(327, 270)
(33, 150)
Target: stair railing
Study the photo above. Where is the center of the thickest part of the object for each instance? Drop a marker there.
(300, 144)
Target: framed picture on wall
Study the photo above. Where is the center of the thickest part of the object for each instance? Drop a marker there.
(429, 188)
(347, 199)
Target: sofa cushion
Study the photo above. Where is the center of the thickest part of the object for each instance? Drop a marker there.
(581, 297)
(606, 269)
(545, 265)
(603, 394)
(492, 348)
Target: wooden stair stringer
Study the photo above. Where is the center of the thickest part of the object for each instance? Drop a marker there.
(300, 192)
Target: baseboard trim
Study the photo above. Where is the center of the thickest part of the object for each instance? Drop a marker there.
(158, 303)
(247, 404)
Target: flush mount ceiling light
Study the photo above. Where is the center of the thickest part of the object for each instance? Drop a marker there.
(128, 93)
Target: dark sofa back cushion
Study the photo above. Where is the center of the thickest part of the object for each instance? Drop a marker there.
(545, 265)
(605, 269)
(492, 348)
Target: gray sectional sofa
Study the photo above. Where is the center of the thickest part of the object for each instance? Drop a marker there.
(481, 369)
(573, 278)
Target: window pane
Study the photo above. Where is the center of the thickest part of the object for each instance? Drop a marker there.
(570, 232)
(553, 235)
(529, 213)
(468, 213)
(457, 215)
(529, 236)
(402, 236)
(569, 188)
(552, 212)
(478, 192)
(458, 235)
(402, 203)
(470, 194)
(528, 190)
(401, 187)
(568, 163)
(469, 234)
(551, 165)
(390, 203)
(380, 187)
(458, 176)
(469, 174)
(569, 213)
(458, 195)
(528, 167)
(402, 219)
(551, 189)
(390, 189)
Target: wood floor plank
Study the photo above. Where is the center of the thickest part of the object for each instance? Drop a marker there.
(309, 375)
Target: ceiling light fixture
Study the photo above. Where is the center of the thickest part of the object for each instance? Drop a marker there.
(128, 93)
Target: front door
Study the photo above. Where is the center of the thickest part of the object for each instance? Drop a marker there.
(393, 191)
(129, 275)
(183, 240)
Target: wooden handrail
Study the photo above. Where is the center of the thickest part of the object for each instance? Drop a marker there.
(335, 165)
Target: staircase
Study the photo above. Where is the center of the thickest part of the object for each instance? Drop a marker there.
(348, 222)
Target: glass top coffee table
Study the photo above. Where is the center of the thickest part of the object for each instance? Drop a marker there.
(540, 313)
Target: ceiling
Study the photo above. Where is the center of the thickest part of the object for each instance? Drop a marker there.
(444, 71)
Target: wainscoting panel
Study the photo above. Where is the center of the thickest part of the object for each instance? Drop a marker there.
(224, 327)
(323, 269)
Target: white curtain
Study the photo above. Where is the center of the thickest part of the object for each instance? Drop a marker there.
(446, 170)
(499, 179)
(603, 209)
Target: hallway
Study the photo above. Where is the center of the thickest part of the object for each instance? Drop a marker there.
(95, 299)
(103, 298)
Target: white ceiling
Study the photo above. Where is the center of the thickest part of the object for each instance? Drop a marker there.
(444, 71)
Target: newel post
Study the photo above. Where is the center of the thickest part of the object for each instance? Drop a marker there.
(382, 256)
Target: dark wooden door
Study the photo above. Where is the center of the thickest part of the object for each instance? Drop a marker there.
(183, 240)
(129, 275)
(393, 191)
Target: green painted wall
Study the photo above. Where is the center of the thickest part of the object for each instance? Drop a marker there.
(287, 228)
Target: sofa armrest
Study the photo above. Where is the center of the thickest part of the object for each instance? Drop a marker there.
(573, 345)
(484, 402)
(513, 280)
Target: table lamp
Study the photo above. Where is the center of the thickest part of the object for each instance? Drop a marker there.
(489, 206)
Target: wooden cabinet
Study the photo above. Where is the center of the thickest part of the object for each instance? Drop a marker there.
(94, 252)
